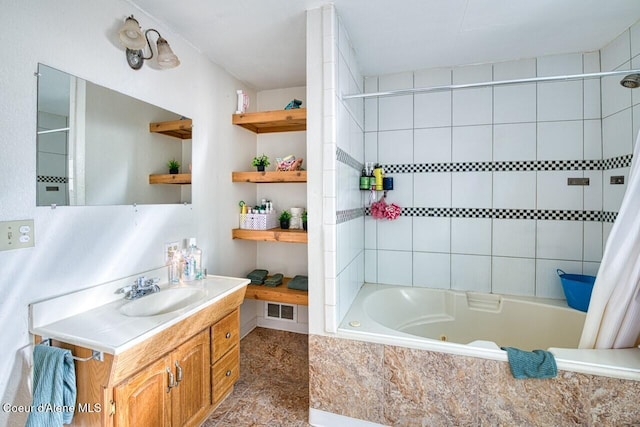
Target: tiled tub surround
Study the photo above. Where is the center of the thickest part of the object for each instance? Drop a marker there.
(400, 386)
(481, 175)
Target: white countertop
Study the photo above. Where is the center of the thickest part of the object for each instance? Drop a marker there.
(104, 328)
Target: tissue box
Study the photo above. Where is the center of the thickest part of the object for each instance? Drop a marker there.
(259, 221)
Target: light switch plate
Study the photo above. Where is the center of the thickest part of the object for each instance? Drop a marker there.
(16, 234)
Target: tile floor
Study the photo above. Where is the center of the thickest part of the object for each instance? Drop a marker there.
(273, 389)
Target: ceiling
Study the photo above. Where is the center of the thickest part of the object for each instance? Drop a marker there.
(262, 42)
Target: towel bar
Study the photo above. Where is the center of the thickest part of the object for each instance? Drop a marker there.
(95, 354)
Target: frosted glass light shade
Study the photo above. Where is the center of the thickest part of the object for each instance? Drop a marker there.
(166, 57)
(131, 35)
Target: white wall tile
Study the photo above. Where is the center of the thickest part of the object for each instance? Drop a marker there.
(560, 140)
(554, 193)
(395, 267)
(616, 134)
(330, 291)
(592, 139)
(636, 126)
(432, 189)
(558, 65)
(472, 74)
(402, 194)
(396, 234)
(472, 107)
(471, 236)
(395, 81)
(471, 189)
(559, 240)
(471, 273)
(514, 237)
(613, 194)
(514, 142)
(432, 145)
(395, 147)
(432, 109)
(432, 270)
(593, 191)
(432, 234)
(635, 39)
(371, 147)
(432, 77)
(396, 112)
(615, 97)
(514, 104)
(592, 241)
(590, 268)
(560, 101)
(510, 70)
(591, 62)
(472, 143)
(617, 52)
(548, 283)
(514, 190)
(513, 276)
(370, 266)
(370, 233)
(371, 114)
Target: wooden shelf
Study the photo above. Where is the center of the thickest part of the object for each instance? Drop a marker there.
(273, 235)
(279, 293)
(273, 121)
(270, 176)
(180, 129)
(174, 178)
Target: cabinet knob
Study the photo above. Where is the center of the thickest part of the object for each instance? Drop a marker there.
(228, 335)
(228, 373)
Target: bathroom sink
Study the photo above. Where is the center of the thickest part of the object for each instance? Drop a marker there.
(162, 302)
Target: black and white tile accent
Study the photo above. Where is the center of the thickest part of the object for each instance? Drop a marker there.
(53, 179)
(517, 166)
(344, 157)
(537, 214)
(348, 215)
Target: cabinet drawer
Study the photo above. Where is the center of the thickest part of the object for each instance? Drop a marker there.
(225, 334)
(225, 373)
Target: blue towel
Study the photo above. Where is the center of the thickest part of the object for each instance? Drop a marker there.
(531, 364)
(54, 387)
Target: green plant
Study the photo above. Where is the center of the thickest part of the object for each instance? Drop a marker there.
(260, 161)
(285, 216)
(173, 164)
(304, 216)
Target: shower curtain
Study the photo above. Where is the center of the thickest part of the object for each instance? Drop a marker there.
(613, 318)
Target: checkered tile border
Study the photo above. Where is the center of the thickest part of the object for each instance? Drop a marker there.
(344, 157)
(518, 166)
(538, 214)
(55, 179)
(348, 215)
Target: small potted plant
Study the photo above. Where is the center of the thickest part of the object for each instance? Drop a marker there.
(285, 218)
(260, 162)
(304, 220)
(174, 166)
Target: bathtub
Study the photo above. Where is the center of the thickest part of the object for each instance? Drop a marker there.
(477, 325)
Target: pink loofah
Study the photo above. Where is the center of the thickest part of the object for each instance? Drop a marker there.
(381, 209)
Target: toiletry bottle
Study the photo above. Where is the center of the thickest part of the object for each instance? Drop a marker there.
(196, 254)
(364, 180)
(175, 267)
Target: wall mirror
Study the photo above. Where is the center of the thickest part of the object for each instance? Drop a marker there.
(96, 146)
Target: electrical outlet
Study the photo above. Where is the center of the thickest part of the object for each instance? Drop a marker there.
(16, 234)
(168, 248)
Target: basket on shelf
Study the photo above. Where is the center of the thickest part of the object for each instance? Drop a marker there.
(577, 289)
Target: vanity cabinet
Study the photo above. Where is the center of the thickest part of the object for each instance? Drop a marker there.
(225, 355)
(176, 377)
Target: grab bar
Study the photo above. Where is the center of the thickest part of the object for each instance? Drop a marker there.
(95, 354)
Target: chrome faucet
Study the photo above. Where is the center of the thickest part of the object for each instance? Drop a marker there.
(141, 287)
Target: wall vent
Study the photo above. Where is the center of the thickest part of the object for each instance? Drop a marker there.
(280, 311)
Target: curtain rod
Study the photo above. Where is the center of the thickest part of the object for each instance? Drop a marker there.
(494, 83)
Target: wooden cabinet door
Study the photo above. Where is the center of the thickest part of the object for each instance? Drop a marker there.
(225, 334)
(144, 399)
(191, 398)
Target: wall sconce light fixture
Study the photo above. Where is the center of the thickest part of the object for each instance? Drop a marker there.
(134, 40)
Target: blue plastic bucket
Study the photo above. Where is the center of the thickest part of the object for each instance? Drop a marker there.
(577, 289)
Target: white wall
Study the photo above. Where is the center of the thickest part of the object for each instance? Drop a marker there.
(77, 247)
